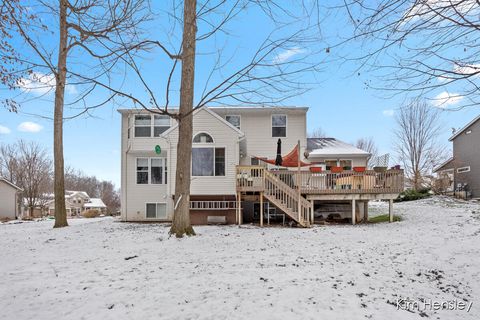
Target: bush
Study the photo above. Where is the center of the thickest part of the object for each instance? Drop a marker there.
(91, 214)
(410, 195)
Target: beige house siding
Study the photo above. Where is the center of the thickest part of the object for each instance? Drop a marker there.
(257, 126)
(8, 201)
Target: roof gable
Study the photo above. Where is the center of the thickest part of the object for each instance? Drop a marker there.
(10, 184)
(214, 115)
(459, 132)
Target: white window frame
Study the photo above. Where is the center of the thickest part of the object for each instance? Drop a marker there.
(272, 126)
(136, 171)
(210, 145)
(156, 210)
(164, 171)
(235, 115)
(203, 143)
(463, 169)
(135, 125)
(149, 183)
(153, 124)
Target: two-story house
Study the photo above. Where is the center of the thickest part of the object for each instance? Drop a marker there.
(230, 181)
(461, 173)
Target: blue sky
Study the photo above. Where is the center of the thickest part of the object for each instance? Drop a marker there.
(339, 104)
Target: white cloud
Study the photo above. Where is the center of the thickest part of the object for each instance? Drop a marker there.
(466, 69)
(29, 127)
(4, 130)
(39, 83)
(445, 99)
(439, 9)
(388, 112)
(287, 54)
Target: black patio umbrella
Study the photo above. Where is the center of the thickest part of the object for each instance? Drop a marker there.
(278, 159)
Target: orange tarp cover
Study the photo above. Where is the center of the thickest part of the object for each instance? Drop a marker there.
(290, 160)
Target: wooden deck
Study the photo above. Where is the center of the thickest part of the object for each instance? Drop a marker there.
(252, 179)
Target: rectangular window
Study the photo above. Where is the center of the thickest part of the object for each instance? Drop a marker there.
(233, 120)
(158, 171)
(346, 164)
(219, 161)
(208, 162)
(279, 125)
(142, 170)
(463, 169)
(161, 124)
(156, 210)
(254, 161)
(143, 126)
(330, 163)
(202, 162)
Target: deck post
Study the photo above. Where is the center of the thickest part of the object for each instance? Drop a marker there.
(261, 209)
(390, 209)
(365, 212)
(312, 216)
(353, 211)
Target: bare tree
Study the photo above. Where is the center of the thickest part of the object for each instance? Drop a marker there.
(417, 143)
(368, 145)
(88, 28)
(427, 48)
(317, 133)
(29, 168)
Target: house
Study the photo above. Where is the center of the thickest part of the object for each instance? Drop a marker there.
(9, 200)
(233, 178)
(460, 175)
(76, 203)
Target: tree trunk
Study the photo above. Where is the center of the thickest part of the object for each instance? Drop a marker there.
(181, 219)
(59, 180)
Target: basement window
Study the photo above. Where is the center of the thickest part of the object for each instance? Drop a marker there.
(156, 211)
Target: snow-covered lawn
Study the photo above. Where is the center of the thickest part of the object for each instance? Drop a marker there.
(104, 269)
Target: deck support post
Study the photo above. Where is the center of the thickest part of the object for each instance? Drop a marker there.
(365, 212)
(312, 216)
(353, 211)
(261, 209)
(390, 209)
(239, 208)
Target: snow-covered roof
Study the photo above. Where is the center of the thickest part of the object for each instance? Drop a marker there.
(70, 193)
(440, 167)
(331, 147)
(95, 203)
(10, 184)
(229, 108)
(457, 133)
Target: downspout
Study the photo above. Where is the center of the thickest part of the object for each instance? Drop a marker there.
(126, 167)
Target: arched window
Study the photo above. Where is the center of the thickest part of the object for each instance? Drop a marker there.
(203, 138)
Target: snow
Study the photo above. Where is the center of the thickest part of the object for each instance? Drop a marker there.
(321, 147)
(105, 269)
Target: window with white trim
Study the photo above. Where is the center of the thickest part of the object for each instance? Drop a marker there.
(143, 125)
(203, 137)
(156, 210)
(158, 169)
(463, 169)
(161, 123)
(151, 171)
(279, 125)
(142, 170)
(234, 120)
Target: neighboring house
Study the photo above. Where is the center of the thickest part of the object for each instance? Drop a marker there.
(231, 183)
(77, 202)
(460, 175)
(9, 200)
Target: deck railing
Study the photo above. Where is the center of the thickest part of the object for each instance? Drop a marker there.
(251, 178)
